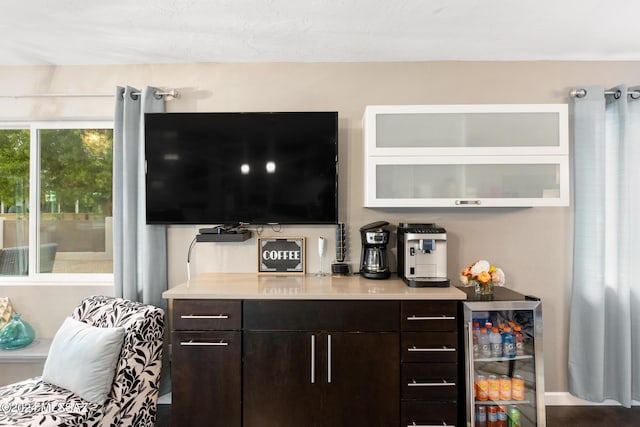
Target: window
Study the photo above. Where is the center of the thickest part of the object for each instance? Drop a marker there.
(55, 198)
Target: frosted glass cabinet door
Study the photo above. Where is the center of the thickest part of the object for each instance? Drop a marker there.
(491, 155)
(466, 129)
(467, 181)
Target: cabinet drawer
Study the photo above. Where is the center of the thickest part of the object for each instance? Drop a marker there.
(431, 381)
(437, 347)
(206, 372)
(429, 316)
(417, 413)
(206, 315)
(355, 316)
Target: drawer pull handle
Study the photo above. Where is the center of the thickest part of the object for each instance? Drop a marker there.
(443, 317)
(220, 343)
(431, 425)
(468, 202)
(417, 384)
(414, 348)
(204, 316)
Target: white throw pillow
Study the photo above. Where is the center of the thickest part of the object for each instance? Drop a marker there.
(83, 359)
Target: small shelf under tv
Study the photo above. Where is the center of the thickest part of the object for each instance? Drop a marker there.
(240, 236)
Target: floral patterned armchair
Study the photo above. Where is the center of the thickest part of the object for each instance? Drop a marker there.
(134, 393)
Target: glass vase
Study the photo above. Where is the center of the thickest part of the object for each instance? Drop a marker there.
(16, 334)
(483, 288)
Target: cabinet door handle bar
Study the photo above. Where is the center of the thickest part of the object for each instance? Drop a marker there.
(430, 349)
(431, 425)
(417, 384)
(468, 202)
(204, 316)
(431, 318)
(329, 359)
(220, 343)
(313, 359)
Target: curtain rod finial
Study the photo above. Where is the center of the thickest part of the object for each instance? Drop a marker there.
(578, 93)
(173, 93)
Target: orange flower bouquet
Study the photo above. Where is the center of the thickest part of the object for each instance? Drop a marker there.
(483, 276)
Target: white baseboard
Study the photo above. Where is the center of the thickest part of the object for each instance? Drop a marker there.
(563, 398)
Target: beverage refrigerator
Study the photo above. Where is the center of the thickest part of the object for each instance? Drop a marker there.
(503, 361)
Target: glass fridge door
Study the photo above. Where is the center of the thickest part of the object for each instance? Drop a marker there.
(505, 375)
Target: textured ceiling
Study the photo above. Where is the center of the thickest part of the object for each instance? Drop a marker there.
(188, 31)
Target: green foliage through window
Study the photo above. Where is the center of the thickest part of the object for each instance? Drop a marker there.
(14, 168)
(76, 170)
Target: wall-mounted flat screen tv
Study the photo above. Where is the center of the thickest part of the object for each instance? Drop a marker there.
(230, 168)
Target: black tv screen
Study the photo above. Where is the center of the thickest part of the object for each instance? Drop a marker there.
(229, 168)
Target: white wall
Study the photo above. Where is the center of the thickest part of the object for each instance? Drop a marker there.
(44, 307)
(533, 245)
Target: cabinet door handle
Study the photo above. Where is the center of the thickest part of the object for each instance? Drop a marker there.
(468, 202)
(470, 368)
(443, 383)
(313, 359)
(443, 317)
(414, 348)
(329, 359)
(204, 316)
(431, 425)
(221, 343)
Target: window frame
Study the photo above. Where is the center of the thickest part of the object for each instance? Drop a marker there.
(33, 276)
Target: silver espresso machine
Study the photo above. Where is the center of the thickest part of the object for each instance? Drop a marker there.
(422, 255)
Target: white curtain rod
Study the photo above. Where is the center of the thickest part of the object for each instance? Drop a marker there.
(172, 93)
(581, 93)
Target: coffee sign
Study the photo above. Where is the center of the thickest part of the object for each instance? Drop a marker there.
(281, 255)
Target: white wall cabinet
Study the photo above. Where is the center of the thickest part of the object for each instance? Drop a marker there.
(466, 155)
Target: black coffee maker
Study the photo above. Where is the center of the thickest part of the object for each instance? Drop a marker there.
(374, 261)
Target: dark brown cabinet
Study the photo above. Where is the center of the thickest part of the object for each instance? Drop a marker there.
(206, 363)
(363, 385)
(326, 376)
(317, 363)
(277, 378)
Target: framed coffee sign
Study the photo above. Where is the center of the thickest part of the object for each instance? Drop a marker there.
(281, 255)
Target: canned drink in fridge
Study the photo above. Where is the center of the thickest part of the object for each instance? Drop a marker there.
(481, 416)
(514, 417)
(494, 387)
(505, 387)
(492, 416)
(482, 388)
(517, 388)
(503, 420)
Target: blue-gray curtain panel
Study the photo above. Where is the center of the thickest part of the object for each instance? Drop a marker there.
(604, 336)
(139, 250)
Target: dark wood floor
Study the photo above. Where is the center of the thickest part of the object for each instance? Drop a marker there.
(592, 416)
(557, 416)
(164, 416)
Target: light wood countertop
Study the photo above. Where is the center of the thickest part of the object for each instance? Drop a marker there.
(307, 287)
